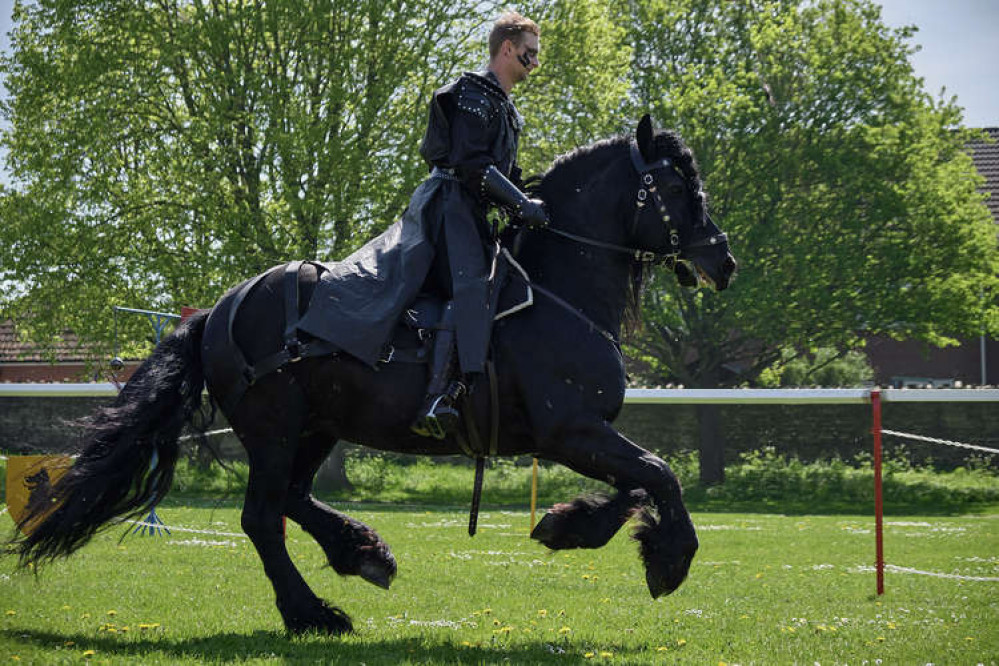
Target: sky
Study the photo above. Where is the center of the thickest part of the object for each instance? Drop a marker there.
(959, 42)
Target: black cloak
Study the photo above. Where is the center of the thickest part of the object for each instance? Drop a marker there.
(357, 302)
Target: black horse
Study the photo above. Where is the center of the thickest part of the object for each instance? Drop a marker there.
(615, 206)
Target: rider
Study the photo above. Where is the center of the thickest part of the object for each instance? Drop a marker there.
(471, 144)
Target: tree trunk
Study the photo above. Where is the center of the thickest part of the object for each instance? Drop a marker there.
(332, 474)
(712, 444)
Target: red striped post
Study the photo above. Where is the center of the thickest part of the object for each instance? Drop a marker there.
(878, 500)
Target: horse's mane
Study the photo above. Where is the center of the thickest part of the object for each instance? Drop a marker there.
(566, 168)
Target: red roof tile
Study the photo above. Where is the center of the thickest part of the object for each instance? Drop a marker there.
(15, 350)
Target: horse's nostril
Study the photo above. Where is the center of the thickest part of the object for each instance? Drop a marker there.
(730, 265)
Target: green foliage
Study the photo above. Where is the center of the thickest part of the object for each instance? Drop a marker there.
(827, 368)
(765, 478)
(844, 188)
(162, 152)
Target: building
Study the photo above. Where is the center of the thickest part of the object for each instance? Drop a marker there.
(69, 360)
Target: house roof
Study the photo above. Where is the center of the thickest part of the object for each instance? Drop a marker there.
(67, 349)
(986, 158)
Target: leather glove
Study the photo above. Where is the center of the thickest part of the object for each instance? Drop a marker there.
(497, 188)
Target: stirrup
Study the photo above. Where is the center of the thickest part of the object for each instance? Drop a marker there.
(442, 416)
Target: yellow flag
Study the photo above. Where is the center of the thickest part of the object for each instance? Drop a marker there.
(29, 479)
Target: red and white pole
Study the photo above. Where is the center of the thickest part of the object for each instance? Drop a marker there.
(878, 499)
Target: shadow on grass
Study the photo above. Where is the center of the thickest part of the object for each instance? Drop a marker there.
(308, 649)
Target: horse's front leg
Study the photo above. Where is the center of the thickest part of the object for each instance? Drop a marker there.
(351, 547)
(667, 537)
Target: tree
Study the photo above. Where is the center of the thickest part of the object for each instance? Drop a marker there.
(165, 150)
(579, 93)
(844, 188)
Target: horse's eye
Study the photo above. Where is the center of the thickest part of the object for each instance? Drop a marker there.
(674, 189)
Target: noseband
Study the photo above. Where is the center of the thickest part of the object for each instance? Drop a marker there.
(648, 188)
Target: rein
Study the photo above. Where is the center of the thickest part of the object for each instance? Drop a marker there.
(647, 189)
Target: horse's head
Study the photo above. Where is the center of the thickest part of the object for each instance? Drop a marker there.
(670, 219)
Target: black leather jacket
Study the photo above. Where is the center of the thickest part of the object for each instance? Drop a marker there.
(473, 123)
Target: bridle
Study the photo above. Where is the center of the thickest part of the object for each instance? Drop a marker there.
(647, 189)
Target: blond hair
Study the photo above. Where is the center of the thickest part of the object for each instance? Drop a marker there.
(512, 26)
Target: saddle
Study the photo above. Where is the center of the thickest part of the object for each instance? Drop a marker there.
(409, 343)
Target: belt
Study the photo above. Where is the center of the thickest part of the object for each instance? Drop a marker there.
(444, 174)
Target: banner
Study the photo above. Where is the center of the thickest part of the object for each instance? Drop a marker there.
(29, 479)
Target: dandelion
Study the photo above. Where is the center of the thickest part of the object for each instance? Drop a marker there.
(681, 642)
(565, 630)
(606, 655)
(542, 613)
(11, 613)
(89, 653)
(67, 607)
(112, 613)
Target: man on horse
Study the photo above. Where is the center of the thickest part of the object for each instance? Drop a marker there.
(471, 143)
(443, 243)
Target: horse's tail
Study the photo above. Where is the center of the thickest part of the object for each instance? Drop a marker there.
(128, 454)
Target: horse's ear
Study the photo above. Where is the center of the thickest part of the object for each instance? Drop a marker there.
(644, 137)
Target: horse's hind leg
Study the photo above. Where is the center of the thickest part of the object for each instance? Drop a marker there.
(351, 547)
(589, 521)
(267, 422)
(667, 537)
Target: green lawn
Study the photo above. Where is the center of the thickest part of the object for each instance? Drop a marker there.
(764, 588)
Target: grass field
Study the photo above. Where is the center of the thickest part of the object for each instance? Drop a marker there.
(764, 589)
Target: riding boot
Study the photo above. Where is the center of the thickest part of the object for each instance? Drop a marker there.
(439, 414)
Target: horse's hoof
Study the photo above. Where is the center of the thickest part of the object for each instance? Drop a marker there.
(548, 531)
(661, 583)
(320, 618)
(667, 554)
(378, 572)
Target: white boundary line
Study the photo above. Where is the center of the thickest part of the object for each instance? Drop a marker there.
(933, 574)
(161, 526)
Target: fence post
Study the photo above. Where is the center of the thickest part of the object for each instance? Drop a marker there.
(878, 499)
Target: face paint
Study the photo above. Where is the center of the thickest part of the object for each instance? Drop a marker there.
(524, 59)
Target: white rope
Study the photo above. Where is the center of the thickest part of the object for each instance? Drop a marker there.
(934, 440)
(934, 574)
